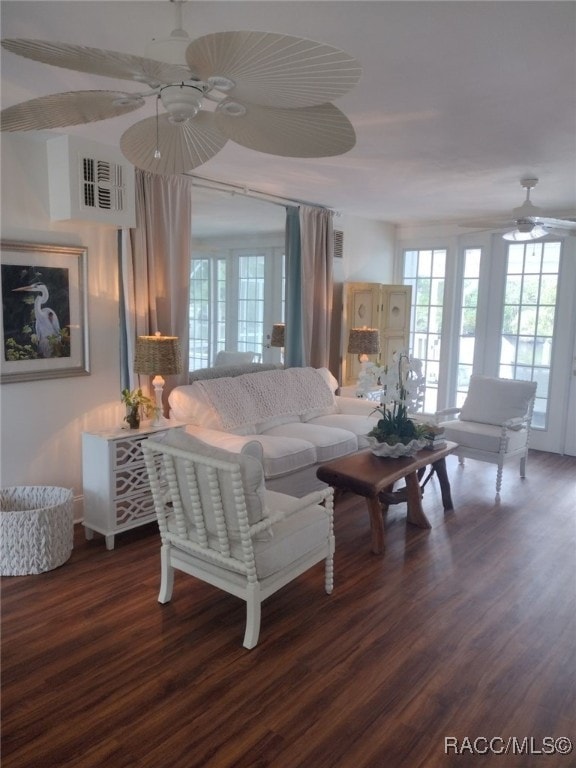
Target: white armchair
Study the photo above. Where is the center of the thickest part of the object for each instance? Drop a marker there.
(493, 424)
(218, 522)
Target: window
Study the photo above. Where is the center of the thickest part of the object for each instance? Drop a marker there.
(425, 270)
(529, 315)
(235, 297)
(200, 302)
(468, 317)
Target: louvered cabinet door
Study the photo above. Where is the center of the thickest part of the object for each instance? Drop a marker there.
(117, 495)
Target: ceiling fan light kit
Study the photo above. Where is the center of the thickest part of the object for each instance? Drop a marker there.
(265, 91)
(529, 222)
(518, 235)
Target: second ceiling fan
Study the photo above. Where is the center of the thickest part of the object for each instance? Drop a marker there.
(528, 221)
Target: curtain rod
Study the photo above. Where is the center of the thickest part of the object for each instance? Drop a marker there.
(204, 182)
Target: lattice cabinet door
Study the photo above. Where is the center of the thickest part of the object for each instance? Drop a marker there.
(117, 494)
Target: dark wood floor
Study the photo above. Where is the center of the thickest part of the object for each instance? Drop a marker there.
(467, 630)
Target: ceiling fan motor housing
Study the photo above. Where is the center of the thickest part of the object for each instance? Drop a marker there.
(181, 101)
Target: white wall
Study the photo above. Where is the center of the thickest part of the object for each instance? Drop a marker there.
(368, 251)
(42, 421)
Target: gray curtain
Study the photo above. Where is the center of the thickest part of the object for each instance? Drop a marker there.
(155, 267)
(309, 286)
(317, 252)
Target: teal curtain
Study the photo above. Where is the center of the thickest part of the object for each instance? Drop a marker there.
(293, 350)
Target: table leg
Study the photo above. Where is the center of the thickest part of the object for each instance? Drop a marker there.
(415, 514)
(442, 475)
(376, 524)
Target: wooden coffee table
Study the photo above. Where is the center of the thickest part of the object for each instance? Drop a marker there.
(373, 477)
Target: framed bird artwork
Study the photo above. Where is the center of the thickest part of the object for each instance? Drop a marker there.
(44, 328)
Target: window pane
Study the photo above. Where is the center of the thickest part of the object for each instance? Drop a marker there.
(468, 314)
(428, 267)
(199, 313)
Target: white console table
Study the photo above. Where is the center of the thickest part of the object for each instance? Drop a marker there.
(117, 494)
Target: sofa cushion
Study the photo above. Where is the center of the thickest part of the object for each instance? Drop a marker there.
(493, 401)
(280, 455)
(358, 425)
(330, 442)
(250, 469)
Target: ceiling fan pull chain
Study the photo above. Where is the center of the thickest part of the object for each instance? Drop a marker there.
(157, 154)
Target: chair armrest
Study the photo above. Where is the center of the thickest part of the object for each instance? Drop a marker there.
(311, 499)
(447, 412)
(516, 423)
(229, 441)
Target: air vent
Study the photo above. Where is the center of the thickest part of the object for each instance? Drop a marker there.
(90, 182)
(102, 185)
(338, 244)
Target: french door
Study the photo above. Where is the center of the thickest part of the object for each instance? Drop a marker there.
(509, 310)
(530, 324)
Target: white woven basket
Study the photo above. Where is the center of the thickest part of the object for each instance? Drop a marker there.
(36, 529)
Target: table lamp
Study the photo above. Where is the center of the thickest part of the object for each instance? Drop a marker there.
(158, 356)
(364, 342)
(278, 335)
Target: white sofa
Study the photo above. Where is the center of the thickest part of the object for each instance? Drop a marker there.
(294, 413)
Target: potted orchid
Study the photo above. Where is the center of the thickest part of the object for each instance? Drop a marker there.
(137, 403)
(395, 433)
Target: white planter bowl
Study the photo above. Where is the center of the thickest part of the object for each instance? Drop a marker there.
(397, 450)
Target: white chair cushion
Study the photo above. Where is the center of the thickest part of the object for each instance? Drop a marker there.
(482, 437)
(250, 468)
(292, 538)
(329, 442)
(493, 401)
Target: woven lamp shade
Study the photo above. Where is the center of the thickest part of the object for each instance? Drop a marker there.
(158, 355)
(364, 341)
(278, 335)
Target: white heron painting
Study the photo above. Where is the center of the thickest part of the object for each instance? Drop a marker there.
(36, 312)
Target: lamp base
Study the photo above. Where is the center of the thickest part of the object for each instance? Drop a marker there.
(158, 420)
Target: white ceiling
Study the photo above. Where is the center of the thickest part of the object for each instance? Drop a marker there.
(457, 102)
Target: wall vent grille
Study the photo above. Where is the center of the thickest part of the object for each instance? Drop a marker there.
(338, 244)
(102, 185)
(89, 182)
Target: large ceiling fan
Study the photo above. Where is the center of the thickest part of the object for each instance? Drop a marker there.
(266, 91)
(529, 223)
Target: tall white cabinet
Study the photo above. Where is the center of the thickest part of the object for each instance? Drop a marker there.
(375, 305)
